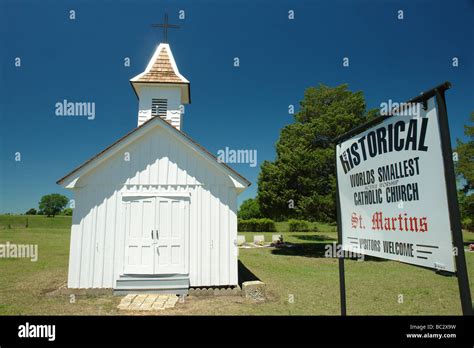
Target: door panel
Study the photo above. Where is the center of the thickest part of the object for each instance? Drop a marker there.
(156, 228)
(171, 215)
(139, 252)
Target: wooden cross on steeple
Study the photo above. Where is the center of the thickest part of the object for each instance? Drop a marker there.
(165, 27)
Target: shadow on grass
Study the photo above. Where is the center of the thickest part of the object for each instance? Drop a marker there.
(302, 249)
(245, 275)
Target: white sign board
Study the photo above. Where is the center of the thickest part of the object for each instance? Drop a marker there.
(392, 191)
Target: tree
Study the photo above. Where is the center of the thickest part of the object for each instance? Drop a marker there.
(465, 170)
(301, 183)
(31, 211)
(52, 204)
(465, 164)
(249, 209)
(466, 209)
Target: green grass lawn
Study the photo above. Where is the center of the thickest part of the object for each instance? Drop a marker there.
(34, 221)
(300, 280)
(283, 227)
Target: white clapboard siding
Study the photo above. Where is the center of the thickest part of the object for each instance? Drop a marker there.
(160, 159)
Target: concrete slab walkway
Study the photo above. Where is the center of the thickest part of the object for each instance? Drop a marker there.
(147, 302)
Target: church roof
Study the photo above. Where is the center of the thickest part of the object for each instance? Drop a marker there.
(162, 68)
(137, 130)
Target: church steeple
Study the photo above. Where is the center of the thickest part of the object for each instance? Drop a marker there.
(161, 89)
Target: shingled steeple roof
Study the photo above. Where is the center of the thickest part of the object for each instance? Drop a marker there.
(161, 68)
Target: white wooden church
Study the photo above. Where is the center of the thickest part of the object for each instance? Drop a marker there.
(154, 211)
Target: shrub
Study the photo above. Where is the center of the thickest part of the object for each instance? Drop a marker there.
(32, 211)
(256, 225)
(299, 225)
(467, 223)
(249, 209)
(67, 212)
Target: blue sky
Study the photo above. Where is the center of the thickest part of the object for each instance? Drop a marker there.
(242, 108)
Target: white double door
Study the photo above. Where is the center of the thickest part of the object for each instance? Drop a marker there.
(156, 230)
